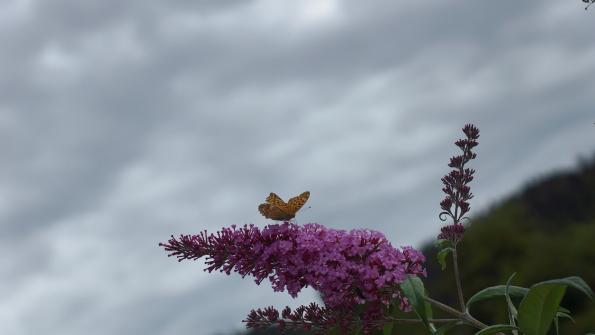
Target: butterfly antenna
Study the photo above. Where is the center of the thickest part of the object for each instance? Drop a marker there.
(590, 3)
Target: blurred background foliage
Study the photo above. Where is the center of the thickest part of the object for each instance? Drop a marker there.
(545, 231)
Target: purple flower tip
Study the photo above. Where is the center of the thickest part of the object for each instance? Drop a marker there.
(458, 193)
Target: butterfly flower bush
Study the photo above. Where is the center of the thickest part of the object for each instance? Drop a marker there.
(347, 268)
(362, 279)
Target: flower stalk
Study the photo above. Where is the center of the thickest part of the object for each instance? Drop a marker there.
(455, 263)
(458, 193)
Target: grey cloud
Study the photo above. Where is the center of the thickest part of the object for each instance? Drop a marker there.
(125, 122)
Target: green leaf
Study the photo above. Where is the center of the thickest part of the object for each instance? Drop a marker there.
(414, 291)
(576, 282)
(539, 307)
(495, 329)
(496, 291)
(560, 315)
(441, 244)
(512, 311)
(441, 256)
(388, 328)
(543, 306)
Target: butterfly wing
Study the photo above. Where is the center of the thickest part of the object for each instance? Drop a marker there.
(275, 200)
(273, 212)
(294, 204)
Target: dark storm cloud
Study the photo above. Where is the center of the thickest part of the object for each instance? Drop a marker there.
(124, 122)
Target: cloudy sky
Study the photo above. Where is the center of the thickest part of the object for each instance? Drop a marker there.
(123, 122)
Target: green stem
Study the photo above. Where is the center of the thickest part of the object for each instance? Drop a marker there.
(461, 315)
(458, 279)
(420, 321)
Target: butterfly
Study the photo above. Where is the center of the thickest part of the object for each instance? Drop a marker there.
(276, 209)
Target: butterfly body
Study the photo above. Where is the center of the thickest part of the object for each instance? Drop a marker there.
(277, 209)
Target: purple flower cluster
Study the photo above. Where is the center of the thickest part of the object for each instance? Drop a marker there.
(347, 268)
(311, 318)
(456, 189)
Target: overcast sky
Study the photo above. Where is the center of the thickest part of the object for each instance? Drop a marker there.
(123, 122)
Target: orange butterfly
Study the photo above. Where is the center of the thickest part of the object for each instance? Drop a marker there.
(276, 209)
